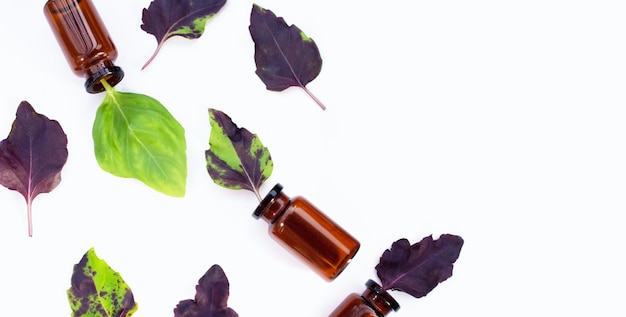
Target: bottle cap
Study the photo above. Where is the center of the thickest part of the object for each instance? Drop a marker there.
(112, 74)
(268, 198)
(381, 295)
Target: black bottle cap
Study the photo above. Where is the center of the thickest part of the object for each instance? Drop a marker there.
(112, 74)
(382, 294)
(268, 198)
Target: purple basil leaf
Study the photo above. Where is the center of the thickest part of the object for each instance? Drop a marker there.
(236, 158)
(416, 269)
(186, 18)
(211, 297)
(283, 54)
(32, 156)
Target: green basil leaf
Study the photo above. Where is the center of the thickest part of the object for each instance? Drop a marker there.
(135, 136)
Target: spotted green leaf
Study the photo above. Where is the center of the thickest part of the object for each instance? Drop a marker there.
(236, 158)
(135, 136)
(99, 291)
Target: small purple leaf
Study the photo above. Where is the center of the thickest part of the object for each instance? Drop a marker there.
(32, 156)
(211, 298)
(187, 18)
(283, 54)
(417, 269)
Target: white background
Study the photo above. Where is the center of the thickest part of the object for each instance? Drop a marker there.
(499, 121)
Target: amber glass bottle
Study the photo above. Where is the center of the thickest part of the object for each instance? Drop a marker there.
(85, 42)
(307, 232)
(374, 302)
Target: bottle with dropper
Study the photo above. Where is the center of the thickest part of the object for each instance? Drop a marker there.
(85, 42)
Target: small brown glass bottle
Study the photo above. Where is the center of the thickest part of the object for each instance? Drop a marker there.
(374, 302)
(85, 42)
(307, 232)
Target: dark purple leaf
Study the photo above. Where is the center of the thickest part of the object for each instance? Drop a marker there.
(284, 55)
(211, 297)
(416, 269)
(236, 158)
(32, 156)
(186, 18)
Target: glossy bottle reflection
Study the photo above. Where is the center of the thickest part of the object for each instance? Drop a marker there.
(307, 232)
(85, 42)
(374, 302)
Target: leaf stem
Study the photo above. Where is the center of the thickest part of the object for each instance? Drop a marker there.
(29, 213)
(152, 57)
(319, 102)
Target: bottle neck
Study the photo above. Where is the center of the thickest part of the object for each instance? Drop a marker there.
(273, 205)
(379, 299)
(103, 70)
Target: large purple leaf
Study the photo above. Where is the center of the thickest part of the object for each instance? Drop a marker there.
(32, 156)
(236, 158)
(284, 56)
(417, 269)
(211, 298)
(186, 18)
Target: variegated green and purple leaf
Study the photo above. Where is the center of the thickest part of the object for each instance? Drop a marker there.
(187, 18)
(99, 291)
(236, 158)
(284, 55)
